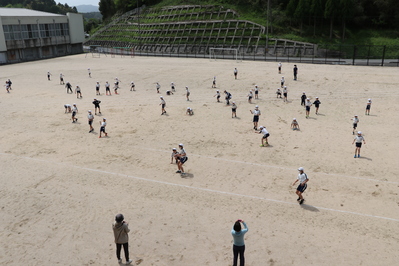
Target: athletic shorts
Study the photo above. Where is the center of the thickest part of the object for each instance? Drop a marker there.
(90, 122)
(163, 105)
(107, 89)
(73, 113)
(256, 92)
(249, 97)
(256, 118)
(354, 125)
(97, 89)
(183, 159)
(308, 108)
(102, 129)
(368, 107)
(301, 187)
(233, 110)
(285, 94)
(218, 97)
(358, 144)
(266, 135)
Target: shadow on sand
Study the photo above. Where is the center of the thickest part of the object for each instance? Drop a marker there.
(309, 208)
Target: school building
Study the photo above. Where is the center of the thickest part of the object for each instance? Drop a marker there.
(27, 35)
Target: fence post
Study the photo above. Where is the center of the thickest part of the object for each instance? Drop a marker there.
(354, 55)
(313, 54)
(383, 55)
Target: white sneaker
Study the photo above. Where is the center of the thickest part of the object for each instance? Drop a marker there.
(128, 262)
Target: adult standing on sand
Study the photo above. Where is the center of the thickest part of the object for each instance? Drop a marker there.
(238, 241)
(303, 180)
(97, 106)
(256, 114)
(295, 70)
(317, 105)
(121, 230)
(68, 86)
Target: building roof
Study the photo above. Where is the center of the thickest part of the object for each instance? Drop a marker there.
(23, 12)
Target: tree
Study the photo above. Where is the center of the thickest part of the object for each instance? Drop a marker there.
(331, 12)
(107, 8)
(302, 11)
(346, 7)
(316, 11)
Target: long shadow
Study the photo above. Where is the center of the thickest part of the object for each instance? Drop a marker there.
(366, 158)
(321, 114)
(187, 176)
(309, 208)
(236, 117)
(314, 118)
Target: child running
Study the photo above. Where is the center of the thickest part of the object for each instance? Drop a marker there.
(182, 156)
(62, 79)
(217, 95)
(303, 179)
(358, 139)
(317, 105)
(102, 128)
(157, 86)
(355, 121)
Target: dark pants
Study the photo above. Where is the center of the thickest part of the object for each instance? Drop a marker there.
(125, 249)
(238, 250)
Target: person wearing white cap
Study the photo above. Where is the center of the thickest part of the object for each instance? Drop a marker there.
(48, 75)
(62, 79)
(263, 130)
(256, 89)
(303, 98)
(317, 105)
(89, 71)
(278, 93)
(102, 128)
(308, 105)
(74, 112)
(227, 97)
(157, 86)
(173, 156)
(217, 95)
(98, 88)
(358, 139)
(295, 124)
(214, 82)
(189, 111)
(182, 156)
(187, 94)
(303, 180)
(279, 65)
(132, 86)
(368, 107)
(68, 86)
(235, 73)
(97, 106)
(282, 81)
(68, 108)
(90, 118)
(78, 92)
(256, 114)
(233, 109)
(250, 95)
(172, 86)
(116, 85)
(107, 88)
(285, 94)
(163, 103)
(355, 121)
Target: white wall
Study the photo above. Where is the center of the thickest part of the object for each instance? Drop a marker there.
(3, 46)
(76, 29)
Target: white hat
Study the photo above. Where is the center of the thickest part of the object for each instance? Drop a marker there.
(285, 87)
(181, 144)
(160, 97)
(188, 108)
(233, 102)
(303, 92)
(282, 76)
(261, 127)
(217, 91)
(294, 119)
(257, 106)
(317, 97)
(256, 85)
(369, 99)
(355, 115)
(308, 99)
(359, 132)
(300, 169)
(186, 87)
(74, 104)
(95, 98)
(89, 111)
(104, 118)
(174, 149)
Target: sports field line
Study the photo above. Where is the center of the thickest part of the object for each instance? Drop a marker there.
(201, 189)
(276, 167)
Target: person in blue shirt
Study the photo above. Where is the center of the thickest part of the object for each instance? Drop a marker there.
(238, 238)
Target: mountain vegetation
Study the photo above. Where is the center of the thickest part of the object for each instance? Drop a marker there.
(40, 5)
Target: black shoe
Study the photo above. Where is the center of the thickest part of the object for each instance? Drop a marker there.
(302, 200)
(298, 199)
(178, 172)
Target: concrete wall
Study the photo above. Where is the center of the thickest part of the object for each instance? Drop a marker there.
(3, 46)
(76, 29)
(34, 20)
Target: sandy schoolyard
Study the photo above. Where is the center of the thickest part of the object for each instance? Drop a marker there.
(61, 186)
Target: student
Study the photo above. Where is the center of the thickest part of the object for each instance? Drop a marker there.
(235, 73)
(107, 89)
(295, 70)
(62, 79)
(256, 114)
(228, 97)
(238, 241)
(98, 88)
(168, 92)
(358, 139)
(97, 106)
(214, 82)
(250, 96)
(189, 111)
(172, 86)
(217, 96)
(282, 82)
(308, 104)
(116, 87)
(285, 94)
(158, 87)
(173, 156)
(355, 121)
(49, 75)
(256, 92)
(74, 112)
(163, 103)
(121, 230)
(187, 94)
(68, 108)
(233, 110)
(182, 159)
(9, 84)
(263, 130)
(102, 128)
(78, 92)
(89, 71)
(295, 124)
(303, 99)
(68, 86)
(368, 107)
(90, 118)
(279, 67)
(7, 87)
(278, 93)
(303, 180)
(317, 105)
(132, 86)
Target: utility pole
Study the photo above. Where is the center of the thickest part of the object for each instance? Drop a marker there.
(267, 24)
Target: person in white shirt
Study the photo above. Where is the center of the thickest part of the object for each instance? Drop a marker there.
(217, 95)
(68, 108)
(78, 92)
(250, 95)
(278, 93)
(173, 156)
(368, 107)
(303, 180)
(98, 88)
(48, 75)
(132, 86)
(187, 94)
(279, 67)
(74, 112)
(172, 86)
(107, 88)
(182, 156)
(233, 109)
(102, 128)
(355, 121)
(163, 103)
(89, 71)
(7, 87)
(358, 139)
(235, 73)
(295, 124)
(308, 104)
(285, 94)
(282, 81)
(256, 92)
(263, 130)
(189, 111)
(158, 86)
(214, 82)
(62, 79)
(90, 118)
(256, 114)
